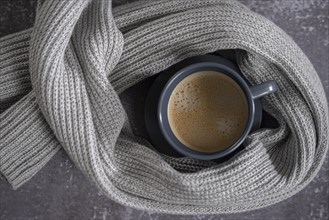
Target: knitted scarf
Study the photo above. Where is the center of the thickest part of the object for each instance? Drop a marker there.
(59, 86)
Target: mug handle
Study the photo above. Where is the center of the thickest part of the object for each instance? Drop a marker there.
(263, 89)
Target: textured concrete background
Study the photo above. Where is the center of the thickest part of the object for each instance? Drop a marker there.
(60, 191)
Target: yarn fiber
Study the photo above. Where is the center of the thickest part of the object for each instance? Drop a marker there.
(59, 86)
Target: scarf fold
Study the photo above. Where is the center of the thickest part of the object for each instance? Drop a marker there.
(59, 86)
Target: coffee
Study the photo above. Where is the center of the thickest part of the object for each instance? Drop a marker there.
(208, 111)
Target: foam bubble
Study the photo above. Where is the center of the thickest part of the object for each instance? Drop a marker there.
(199, 118)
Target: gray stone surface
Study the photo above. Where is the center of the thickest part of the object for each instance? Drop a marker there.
(60, 191)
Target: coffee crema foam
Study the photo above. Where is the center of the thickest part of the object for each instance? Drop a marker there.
(208, 111)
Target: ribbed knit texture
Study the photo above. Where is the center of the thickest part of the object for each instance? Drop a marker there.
(59, 86)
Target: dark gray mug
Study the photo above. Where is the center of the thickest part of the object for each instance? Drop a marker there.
(156, 108)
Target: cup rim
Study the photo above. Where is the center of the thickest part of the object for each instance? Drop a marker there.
(162, 108)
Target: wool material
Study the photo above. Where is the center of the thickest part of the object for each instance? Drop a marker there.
(59, 86)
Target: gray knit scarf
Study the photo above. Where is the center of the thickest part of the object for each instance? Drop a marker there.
(59, 86)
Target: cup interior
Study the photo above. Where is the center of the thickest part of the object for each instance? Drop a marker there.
(163, 120)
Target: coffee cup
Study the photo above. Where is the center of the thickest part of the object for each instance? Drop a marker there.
(203, 108)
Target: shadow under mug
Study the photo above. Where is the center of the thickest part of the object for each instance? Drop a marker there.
(156, 107)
